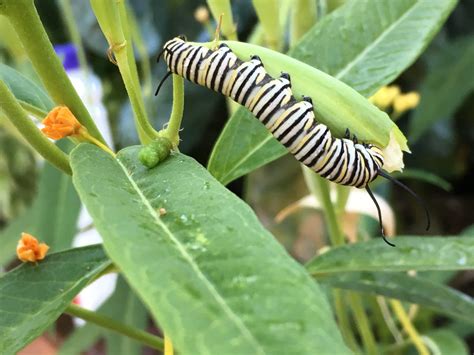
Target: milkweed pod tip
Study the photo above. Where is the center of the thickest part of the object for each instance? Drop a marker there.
(393, 152)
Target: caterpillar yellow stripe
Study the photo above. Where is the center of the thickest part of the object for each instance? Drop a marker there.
(291, 121)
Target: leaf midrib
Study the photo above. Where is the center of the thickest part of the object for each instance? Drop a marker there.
(379, 38)
(219, 299)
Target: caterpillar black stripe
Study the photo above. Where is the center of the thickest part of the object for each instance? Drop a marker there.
(292, 122)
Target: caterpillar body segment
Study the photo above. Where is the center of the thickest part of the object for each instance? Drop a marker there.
(291, 121)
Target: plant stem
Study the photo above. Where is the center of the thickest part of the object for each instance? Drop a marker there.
(387, 316)
(143, 51)
(222, 7)
(320, 188)
(343, 193)
(408, 327)
(343, 321)
(269, 17)
(113, 22)
(304, 16)
(109, 323)
(33, 110)
(168, 346)
(69, 21)
(24, 18)
(363, 323)
(30, 132)
(91, 139)
(172, 130)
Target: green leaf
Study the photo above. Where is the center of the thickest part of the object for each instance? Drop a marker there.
(447, 342)
(440, 298)
(33, 296)
(386, 37)
(52, 216)
(411, 253)
(24, 89)
(241, 134)
(125, 308)
(56, 208)
(11, 234)
(424, 176)
(448, 83)
(213, 278)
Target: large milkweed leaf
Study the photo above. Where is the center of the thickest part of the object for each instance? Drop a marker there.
(411, 253)
(365, 43)
(213, 278)
(448, 83)
(438, 297)
(33, 296)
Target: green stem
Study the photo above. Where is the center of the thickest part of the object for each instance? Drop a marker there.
(362, 323)
(70, 22)
(172, 131)
(168, 346)
(24, 18)
(269, 17)
(343, 321)
(33, 110)
(114, 24)
(319, 187)
(132, 63)
(408, 327)
(343, 193)
(222, 7)
(111, 324)
(32, 134)
(143, 51)
(304, 16)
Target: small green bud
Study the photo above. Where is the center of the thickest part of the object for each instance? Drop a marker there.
(162, 146)
(158, 150)
(149, 156)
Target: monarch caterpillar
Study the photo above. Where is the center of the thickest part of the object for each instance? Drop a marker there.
(292, 122)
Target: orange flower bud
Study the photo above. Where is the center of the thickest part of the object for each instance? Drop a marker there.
(28, 249)
(61, 123)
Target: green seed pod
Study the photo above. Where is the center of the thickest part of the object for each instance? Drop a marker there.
(158, 150)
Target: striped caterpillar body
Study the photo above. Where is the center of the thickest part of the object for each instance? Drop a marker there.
(292, 122)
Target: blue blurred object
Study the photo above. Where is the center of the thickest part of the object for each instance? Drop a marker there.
(68, 55)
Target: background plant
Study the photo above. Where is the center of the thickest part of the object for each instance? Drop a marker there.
(385, 300)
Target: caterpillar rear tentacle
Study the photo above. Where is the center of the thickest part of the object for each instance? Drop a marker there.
(292, 122)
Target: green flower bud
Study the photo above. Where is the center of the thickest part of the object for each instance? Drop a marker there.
(162, 146)
(158, 150)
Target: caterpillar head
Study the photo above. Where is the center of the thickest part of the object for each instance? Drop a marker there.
(170, 46)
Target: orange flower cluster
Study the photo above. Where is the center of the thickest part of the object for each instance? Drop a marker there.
(28, 249)
(61, 123)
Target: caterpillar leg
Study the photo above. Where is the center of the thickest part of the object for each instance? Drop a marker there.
(347, 135)
(286, 76)
(256, 57)
(308, 99)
